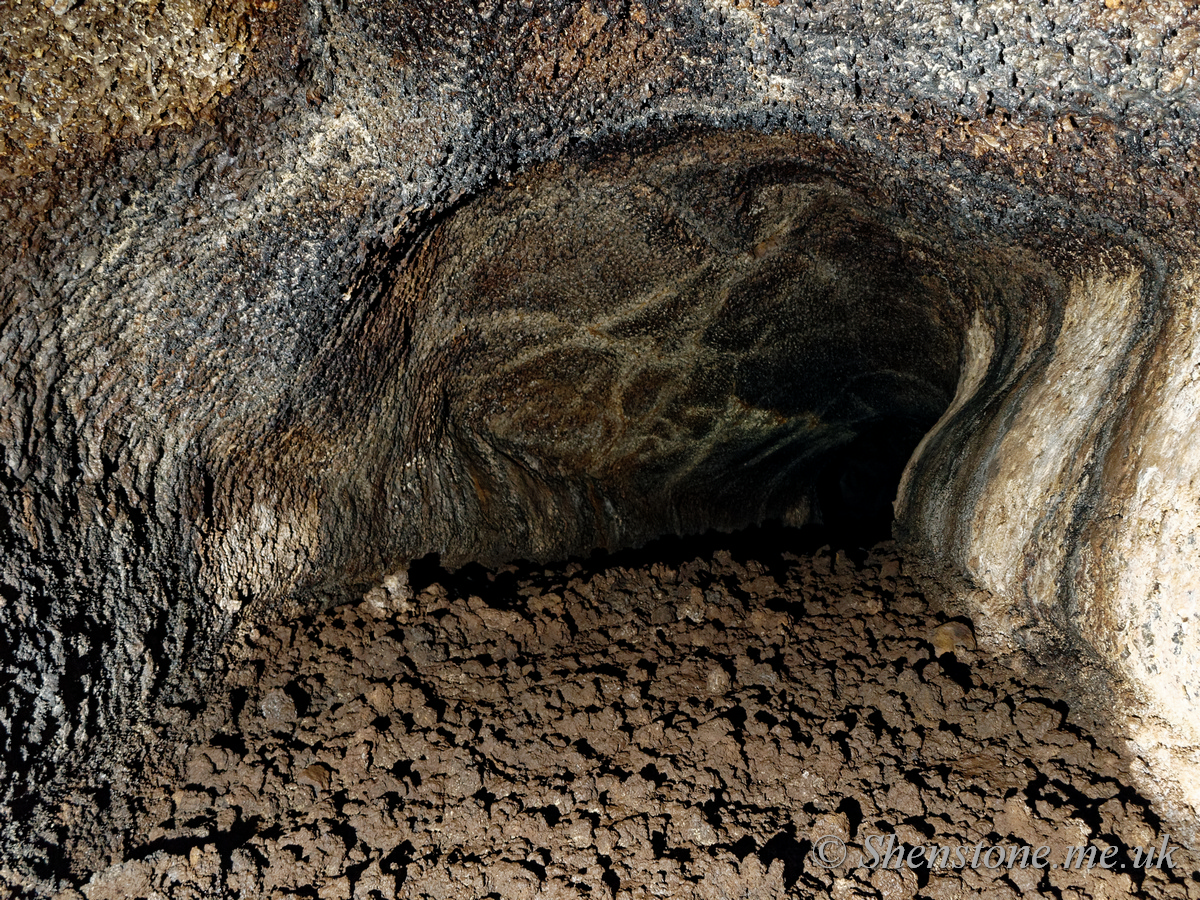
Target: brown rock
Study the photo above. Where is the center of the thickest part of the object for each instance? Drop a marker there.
(317, 776)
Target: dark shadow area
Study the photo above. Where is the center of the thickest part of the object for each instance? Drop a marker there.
(857, 483)
(766, 544)
(855, 487)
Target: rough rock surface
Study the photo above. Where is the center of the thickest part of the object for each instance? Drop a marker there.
(687, 727)
(81, 76)
(208, 419)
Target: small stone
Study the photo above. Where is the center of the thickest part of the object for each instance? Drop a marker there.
(718, 680)
(892, 885)
(834, 824)
(952, 637)
(694, 608)
(377, 601)
(845, 889)
(277, 708)
(579, 833)
(393, 597)
(337, 889)
(843, 564)
(316, 776)
(691, 827)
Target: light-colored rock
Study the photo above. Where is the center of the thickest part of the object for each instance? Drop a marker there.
(952, 637)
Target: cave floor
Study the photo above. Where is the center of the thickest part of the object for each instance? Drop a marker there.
(714, 724)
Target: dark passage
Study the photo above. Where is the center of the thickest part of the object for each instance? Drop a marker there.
(856, 485)
(694, 346)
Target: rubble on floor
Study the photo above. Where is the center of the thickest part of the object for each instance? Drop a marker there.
(694, 727)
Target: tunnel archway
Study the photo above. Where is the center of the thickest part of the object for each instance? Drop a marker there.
(235, 391)
(709, 332)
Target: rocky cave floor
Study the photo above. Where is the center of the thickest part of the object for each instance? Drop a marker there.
(687, 721)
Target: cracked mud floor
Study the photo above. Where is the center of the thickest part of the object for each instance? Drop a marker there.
(628, 728)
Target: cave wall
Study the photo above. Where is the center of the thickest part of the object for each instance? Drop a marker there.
(1029, 493)
(207, 381)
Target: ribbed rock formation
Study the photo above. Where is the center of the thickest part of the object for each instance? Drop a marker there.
(500, 281)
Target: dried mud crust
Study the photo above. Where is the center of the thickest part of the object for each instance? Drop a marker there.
(628, 729)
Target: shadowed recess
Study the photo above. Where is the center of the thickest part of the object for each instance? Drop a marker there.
(700, 337)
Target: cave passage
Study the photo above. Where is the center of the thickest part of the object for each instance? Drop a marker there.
(667, 342)
(696, 378)
(857, 484)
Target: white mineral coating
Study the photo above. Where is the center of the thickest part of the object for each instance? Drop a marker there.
(1084, 507)
(1039, 464)
(1138, 571)
(1136, 575)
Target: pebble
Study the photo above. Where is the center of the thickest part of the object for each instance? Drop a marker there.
(952, 637)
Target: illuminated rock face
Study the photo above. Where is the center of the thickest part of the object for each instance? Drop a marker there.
(1042, 492)
(497, 282)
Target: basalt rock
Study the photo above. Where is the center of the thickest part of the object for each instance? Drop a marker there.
(360, 283)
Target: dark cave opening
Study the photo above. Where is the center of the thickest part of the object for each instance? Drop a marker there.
(856, 485)
(660, 343)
